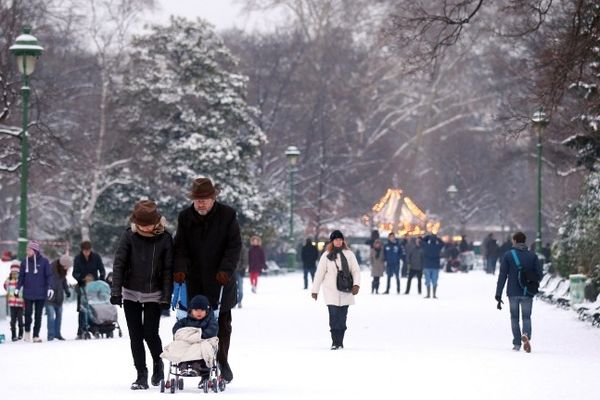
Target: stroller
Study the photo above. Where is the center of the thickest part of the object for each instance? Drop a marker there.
(198, 367)
(99, 317)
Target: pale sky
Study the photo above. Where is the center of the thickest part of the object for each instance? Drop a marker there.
(221, 13)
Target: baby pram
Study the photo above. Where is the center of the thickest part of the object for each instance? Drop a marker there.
(189, 366)
(99, 317)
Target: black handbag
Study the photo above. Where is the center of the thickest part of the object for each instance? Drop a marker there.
(344, 280)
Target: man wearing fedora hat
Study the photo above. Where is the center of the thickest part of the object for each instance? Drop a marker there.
(207, 250)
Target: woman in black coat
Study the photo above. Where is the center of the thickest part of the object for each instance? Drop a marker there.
(142, 283)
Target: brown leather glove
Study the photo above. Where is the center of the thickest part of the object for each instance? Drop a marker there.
(355, 289)
(179, 277)
(222, 277)
(314, 295)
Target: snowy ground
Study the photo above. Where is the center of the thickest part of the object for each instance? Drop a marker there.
(456, 347)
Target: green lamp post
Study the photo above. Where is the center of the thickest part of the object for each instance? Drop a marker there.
(26, 50)
(292, 154)
(452, 191)
(539, 121)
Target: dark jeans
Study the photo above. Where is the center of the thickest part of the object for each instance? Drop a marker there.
(224, 336)
(16, 321)
(37, 321)
(525, 304)
(337, 323)
(412, 273)
(240, 286)
(311, 271)
(143, 320)
(491, 265)
(396, 272)
(375, 285)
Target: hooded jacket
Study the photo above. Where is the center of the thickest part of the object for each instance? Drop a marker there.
(35, 277)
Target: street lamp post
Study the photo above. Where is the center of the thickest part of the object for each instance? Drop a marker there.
(540, 121)
(452, 191)
(26, 50)
(292, 154)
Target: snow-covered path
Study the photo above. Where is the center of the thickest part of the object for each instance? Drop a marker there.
(456, 347)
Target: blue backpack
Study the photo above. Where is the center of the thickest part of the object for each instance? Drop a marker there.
(527, 277)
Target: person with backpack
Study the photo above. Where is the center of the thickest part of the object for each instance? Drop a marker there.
(523, 271)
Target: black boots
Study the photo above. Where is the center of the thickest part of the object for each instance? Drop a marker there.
(226, 373)
(428, 292)
(337, 340)
(434, 290)
(142, 380)
(157, 373)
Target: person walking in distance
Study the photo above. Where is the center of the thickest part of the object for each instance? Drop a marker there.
(415, 263)
(35, 279)
(377, 265)
(142, 283)
(256, 261)
(393, 253)
(208, 245)
(337, 256)
(432, 247)
(310, 255)
(516, 266)
(86, 262)
(60, 287)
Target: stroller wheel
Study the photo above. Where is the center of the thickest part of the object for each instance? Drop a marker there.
(205, 386)
(162, 385)
(172, 385)
(180, 384)
(222, 385)
(215, 385)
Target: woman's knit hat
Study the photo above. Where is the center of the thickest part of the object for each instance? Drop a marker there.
(337, 234)
(33, 245)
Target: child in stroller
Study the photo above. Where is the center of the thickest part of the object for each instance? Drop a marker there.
(97, 316)
(193, 351)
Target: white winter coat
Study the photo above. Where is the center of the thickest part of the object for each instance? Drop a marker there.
(188, 345)
(326, 275)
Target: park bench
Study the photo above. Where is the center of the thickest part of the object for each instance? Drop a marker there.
(549, 288)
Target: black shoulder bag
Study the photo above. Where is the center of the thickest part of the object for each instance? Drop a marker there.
(344, 280)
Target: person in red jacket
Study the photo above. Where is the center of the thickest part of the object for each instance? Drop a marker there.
(256, 261)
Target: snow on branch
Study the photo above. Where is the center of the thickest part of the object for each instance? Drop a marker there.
(112, 182)
(115, 164)
(10, 131)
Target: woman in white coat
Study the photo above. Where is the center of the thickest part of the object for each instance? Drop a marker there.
(336, 257)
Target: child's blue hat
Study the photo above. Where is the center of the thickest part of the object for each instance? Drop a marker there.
(199, 302)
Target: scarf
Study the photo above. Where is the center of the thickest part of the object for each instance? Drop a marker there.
(377, 252)
(158, 229)
(332, 256)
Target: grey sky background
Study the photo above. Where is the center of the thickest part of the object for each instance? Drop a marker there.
(223, 14)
